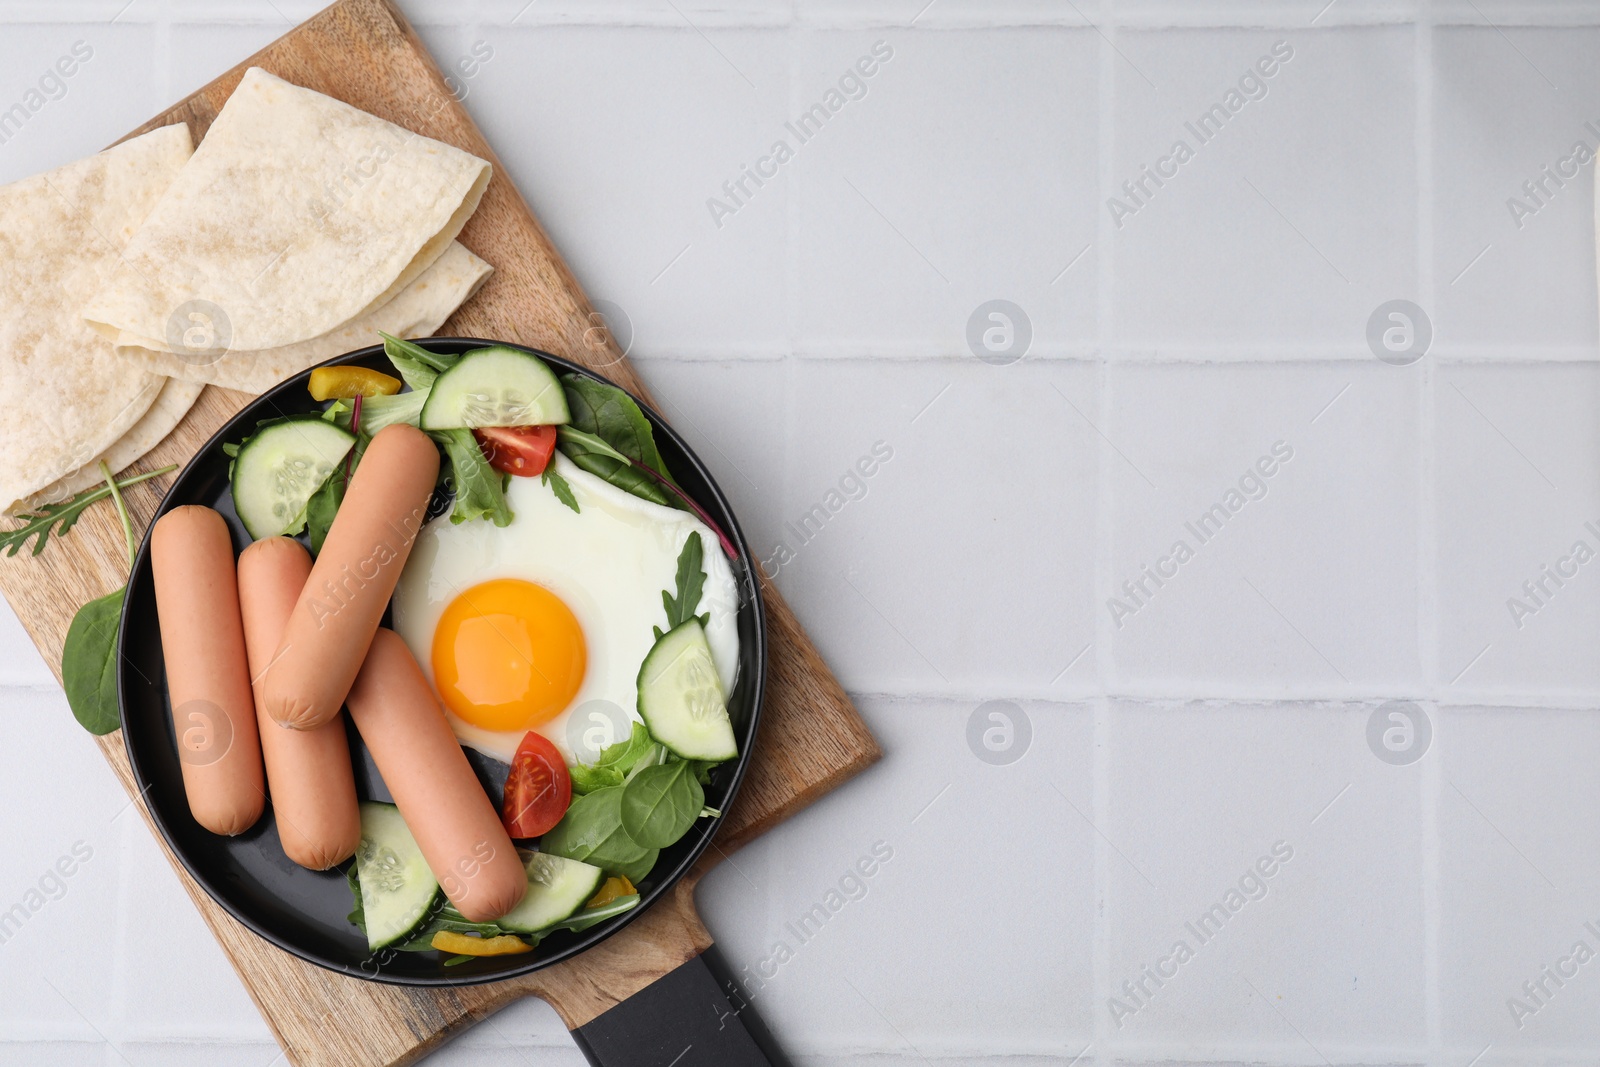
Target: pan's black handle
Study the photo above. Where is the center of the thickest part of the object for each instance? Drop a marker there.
(694, 1016)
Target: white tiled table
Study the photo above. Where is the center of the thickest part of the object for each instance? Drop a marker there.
(1169, 748)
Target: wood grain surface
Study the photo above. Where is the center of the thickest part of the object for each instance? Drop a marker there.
(364, 52)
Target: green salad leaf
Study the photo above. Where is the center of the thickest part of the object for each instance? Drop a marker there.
(661, 803)
(691, 580)
(597, 456)
(417, 366)
(612, 415)
(89, 663)
(587, 778)
(622, 756)
(592, 831)
(444, 916)
(559, 486)
(324, 503)
(380, 411)
(614, 763)
(57, 519)
(358, 914)
(479, 488)
(89, 656)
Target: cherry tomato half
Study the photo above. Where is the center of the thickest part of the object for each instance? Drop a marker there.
(538, 789)
(520, 450)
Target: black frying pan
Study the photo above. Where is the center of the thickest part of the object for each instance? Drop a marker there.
(303, 911)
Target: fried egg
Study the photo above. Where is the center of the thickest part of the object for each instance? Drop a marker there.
(517, 627)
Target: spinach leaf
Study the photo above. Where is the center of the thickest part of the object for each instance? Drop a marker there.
(89, 664)
(661, 804)
(611, 414)
(416, 364)
(691, 580)
(638, 870)
(479, 489)
(559, 486)
(591, 831)
(595, 455)
(89, 656)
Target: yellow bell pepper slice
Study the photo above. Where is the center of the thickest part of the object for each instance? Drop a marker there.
(466, 945)
(346, 383)
(611, 890)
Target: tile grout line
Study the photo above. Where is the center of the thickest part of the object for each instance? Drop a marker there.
(1105, 666)
(791, 280)
(1427, 551)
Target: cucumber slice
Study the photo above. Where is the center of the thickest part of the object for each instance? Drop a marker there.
(681, 698)
(557, 888)
(495, 387)
(397, 888)
(279, 467)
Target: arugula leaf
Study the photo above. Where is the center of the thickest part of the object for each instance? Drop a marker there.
(559, 486)
(58, 518)
(599, 458)
(418, 366)
(480, 493)
(691, 583)
(611, 414)
(661, 804)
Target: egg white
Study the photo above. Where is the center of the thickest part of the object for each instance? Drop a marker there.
(608, 562)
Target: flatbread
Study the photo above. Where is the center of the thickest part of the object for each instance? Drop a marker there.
(297, 215)
(419, 310)
(172, 403)
(68, 396)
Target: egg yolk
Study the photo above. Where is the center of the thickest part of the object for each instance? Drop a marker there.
(508, 655)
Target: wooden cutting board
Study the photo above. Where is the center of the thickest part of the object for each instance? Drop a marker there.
(364, 52)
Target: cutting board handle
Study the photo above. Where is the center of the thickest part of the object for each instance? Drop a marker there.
(693, 1015)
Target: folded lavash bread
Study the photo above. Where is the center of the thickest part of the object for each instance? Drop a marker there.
(62, 235)
(417, 311)
(297, 215)
(172, 403)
